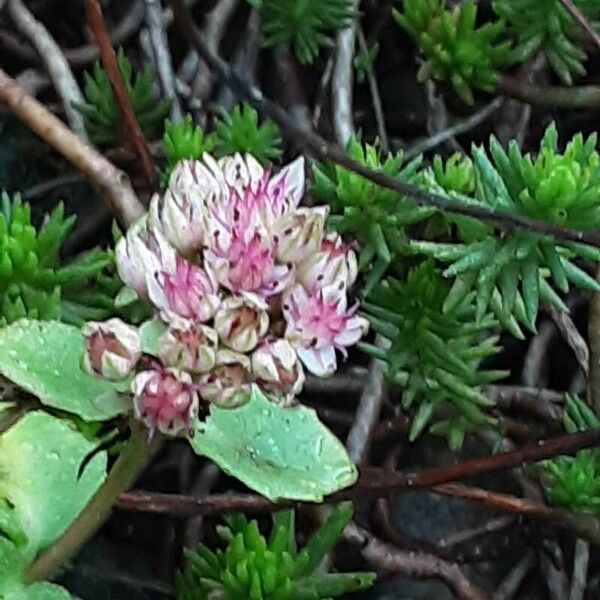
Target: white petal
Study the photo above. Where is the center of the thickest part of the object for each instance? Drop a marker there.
(321, 363)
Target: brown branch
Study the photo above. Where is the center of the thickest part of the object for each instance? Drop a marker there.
(109, 60)
(113, 184)
(580, 19)
(594, 342)
(582, 525)
(385, 557)
(334, 153)
(584, 96)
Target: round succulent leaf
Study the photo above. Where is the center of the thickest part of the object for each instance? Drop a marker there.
(281, 453)
(40, 458)
(43, 358)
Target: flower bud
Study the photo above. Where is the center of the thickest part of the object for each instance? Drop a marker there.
(241, 322)
(189, 292)
(179, 215)
(229, 384)
(300, 233)
(276, 369)
(142, 251)
(332, 263)
(165, 399)
(188, 346)
(112, 348)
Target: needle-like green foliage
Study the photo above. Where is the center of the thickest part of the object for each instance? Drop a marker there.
(101, 113)
(573, 482)
(376, 216)
(456, 50)
(239, 130)
(305, 25)
(546, 26)
(184, 140)
(33, 284)
(435, 352)
(509, 269)
(254, 568)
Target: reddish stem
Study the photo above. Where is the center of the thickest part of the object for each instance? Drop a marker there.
(109, 60)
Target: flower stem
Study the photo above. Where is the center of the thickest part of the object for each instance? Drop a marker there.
(126, 469)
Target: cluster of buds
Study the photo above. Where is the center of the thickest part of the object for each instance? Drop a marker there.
(250, 287)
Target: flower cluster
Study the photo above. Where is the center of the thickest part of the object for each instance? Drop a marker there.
(249, 286)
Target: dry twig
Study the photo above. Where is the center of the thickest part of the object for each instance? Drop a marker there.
(54, 62)
(162, 56)
(585, 25)
(109, 60)
(114, 185)
(386, 557)
(580, 570)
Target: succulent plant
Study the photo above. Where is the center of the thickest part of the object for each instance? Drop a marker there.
(33, 284)
(545, 25)
(303, 24)
(435, 351)
(240, 131)
(455, 49)
(376, 216)
(184, 140)
(573, 482)
(101, 113)
(254, 568)
(509, 270)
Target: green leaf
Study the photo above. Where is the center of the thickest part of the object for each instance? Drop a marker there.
(150, 331)
(40, 457)
(277, 452)
(43, 357)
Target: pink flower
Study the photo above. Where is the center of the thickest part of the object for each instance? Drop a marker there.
(332, 263)
(246, 262)
(165, 399)
(241, 244)
(318, 323)
(276, 369)
(189, 346)
(187, 291)
(141, 251)
(112, 348)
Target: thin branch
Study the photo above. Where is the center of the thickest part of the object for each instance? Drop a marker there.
(457, 129)
(109, 60)
(510, 585)
(594, 341)
(580, 570)
(539, 402)
(54, 61)
(342, 80)
(574, 339)
(162, 56)
(584, 96)
(582, 525)
(213, 31)
(83, 55)
(534, 363)
(385, 557)
(114, 185)
(585, 25)
(330, 152)
(375, 96)
(322, 92)
(368, 411)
